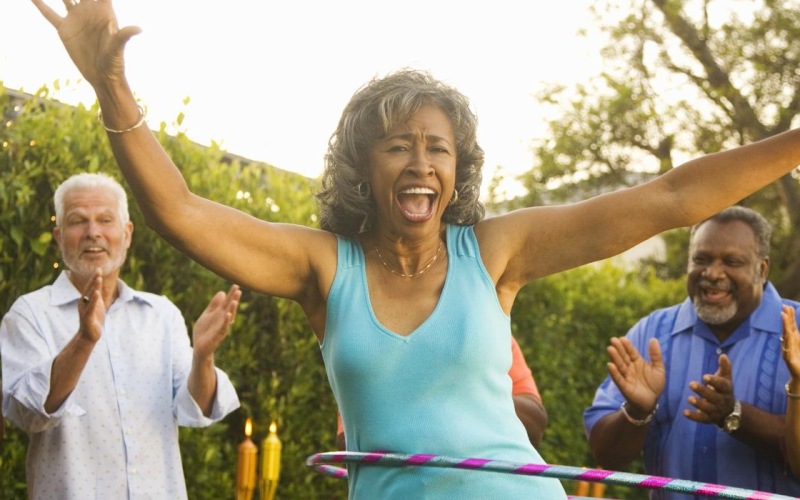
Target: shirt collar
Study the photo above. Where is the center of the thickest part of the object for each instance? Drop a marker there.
(64, 292)
(766, 317)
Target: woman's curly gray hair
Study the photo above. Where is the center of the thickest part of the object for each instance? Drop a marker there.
(345, 202)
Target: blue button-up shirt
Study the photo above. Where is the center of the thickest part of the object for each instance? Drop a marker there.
(681, 448)
(116, 435)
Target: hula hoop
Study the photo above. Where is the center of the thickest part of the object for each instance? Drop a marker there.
(318, 463)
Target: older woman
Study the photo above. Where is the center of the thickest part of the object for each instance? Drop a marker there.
(407, 288)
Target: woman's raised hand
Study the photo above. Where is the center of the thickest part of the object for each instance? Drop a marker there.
(92, 38)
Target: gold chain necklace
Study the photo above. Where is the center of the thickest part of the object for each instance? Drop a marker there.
(413, 275)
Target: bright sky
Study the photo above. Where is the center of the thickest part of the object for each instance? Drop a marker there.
(268, 80)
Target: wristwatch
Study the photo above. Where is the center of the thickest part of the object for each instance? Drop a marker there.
(734, 420)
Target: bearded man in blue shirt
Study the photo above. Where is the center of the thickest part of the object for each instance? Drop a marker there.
(699, 386)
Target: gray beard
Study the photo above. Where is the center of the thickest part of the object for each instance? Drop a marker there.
(714, 315)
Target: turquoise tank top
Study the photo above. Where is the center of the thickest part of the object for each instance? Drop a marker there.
(444, 389)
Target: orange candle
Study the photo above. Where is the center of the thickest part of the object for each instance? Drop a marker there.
(270, 463)
(246, 465)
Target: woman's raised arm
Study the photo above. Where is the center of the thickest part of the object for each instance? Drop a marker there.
(270, 258)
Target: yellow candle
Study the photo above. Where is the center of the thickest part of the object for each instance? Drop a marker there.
(582, 489)
(246, 465)
(270, 463)
(598, 489)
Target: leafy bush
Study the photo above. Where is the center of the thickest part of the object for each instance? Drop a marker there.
(271, 356)
(563, 324)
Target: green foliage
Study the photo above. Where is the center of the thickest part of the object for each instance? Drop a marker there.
(271, 356)
(563, 324)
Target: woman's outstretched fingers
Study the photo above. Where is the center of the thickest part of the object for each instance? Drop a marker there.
(48, 13)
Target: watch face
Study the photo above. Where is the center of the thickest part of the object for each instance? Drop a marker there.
(732, 423)
(734, 420)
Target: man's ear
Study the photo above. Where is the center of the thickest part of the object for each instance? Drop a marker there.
(129, 233)
(765, 268)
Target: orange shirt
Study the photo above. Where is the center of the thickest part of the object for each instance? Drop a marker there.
(521, 376)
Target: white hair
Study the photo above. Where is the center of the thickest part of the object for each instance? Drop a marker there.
(91, 181)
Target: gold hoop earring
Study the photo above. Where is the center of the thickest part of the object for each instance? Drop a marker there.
(363, 189)
(454, 198)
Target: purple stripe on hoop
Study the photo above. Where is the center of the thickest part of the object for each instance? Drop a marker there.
(531, 468)
(594, 475)
(373, 457)
(760, 495)
(656, 482)
(419, 459)
(473, 463)
(710, 489)
(332, 471)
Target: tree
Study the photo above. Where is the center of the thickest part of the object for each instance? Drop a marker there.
(681, 78)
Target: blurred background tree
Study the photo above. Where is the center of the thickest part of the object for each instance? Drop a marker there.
(681, 78)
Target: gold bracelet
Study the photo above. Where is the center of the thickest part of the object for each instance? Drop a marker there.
(635, 421)
(790, 394)
(142, 117)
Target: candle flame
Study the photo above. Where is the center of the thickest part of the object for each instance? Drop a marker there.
(273, 427)
(248, 427)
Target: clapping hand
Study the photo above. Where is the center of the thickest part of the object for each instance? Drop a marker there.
(215, 322)
(715, 398)
(790, 342)
(92, 309)
(640, 381)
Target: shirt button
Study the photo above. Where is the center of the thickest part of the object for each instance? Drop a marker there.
(123, 392)
(133, 472)
(719, 351)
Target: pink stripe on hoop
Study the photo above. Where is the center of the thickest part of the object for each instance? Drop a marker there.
(332, 471)
(473, 463)
(373, 457)
(532, 468)
(711, 489)
(419, 459)
(656, 482)
(760, 495)
(594, 474)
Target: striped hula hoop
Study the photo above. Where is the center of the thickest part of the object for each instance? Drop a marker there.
(319, 462)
